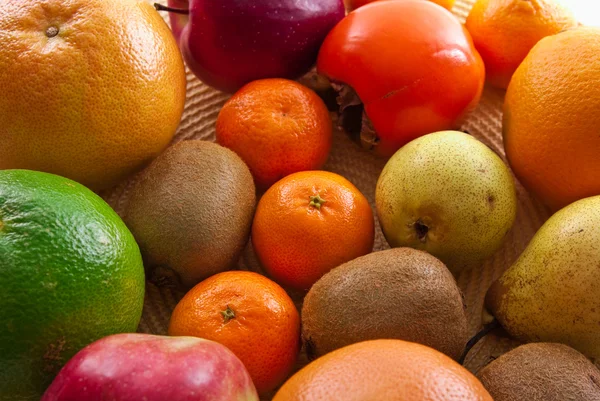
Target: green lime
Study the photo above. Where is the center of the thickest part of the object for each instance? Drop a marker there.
(70, 273)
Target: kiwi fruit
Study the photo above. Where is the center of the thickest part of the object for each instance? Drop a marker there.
(400, 293)
(191, 212)
(542, 372)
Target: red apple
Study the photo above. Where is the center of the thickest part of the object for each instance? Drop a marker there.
(228, 43)
(134, 367)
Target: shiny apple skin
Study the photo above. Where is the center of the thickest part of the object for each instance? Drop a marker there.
(228, 43)
(134, 367)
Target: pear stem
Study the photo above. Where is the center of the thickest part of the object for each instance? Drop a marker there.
(160, 7)
(487, 329)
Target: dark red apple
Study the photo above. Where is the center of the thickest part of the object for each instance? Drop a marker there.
(228, 43)
(135, 367)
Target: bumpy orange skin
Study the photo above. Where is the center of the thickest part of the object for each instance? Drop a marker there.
(264, 334)
(551, 123)
(354, 4)
(296, 242)
(390, 370)
(278, 127)
(95, 102)
(412, 64)
(504, 31)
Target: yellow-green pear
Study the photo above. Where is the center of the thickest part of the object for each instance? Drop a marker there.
(448, 194)
(552, 292)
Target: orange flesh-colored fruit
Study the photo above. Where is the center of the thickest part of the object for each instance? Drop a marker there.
(551, 118)
(278, 127)
(390, 370)
(504, 31)
(98, 90)
(307, 224)
(251, 315)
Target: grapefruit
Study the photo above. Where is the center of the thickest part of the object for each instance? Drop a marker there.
(91, 89)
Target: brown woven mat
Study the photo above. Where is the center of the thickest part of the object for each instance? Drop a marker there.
(363, 169)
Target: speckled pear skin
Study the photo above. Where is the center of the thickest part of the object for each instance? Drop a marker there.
(450, 195)
(552, 292)
(542, 372)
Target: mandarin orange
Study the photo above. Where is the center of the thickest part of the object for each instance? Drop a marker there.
(307, 224)
(249, 314)
(504, 31)
(277, 127)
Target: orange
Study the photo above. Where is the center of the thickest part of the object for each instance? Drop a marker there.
(277, 127)
(354, 4)
(552, 118)
(504, 31)
(390, 370)
(307, 224)
(249, 314)
(91, 89)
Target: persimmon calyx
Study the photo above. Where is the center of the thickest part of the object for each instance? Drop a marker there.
(316, 201)
(352, 117)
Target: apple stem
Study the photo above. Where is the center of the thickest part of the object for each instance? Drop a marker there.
(160, 7)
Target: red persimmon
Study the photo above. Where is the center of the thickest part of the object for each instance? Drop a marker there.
(404, 69)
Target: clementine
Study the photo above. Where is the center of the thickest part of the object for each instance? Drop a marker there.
(251, 315)
(307, 224)
(277, 127)
(551, 122)
(91, 89)
(504, 31)
(390, 370)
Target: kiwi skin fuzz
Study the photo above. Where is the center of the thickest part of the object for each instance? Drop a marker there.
(400, 293)
(542, 372)
(191, 212)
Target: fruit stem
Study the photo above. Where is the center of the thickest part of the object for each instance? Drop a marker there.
(422, 229)
(316, 201)
(160, 7)
(228, 314)
(487, 329)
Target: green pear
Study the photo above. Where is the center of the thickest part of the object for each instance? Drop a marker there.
(448, 194)
(552, 292)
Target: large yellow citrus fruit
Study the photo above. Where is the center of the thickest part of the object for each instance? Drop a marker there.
(91, 89)
(551, 120)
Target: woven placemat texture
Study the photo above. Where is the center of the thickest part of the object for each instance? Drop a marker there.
(362, 168)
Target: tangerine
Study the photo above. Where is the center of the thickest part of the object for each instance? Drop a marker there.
(504, 31)
(277, 127)
(251, 315)
(307, 224)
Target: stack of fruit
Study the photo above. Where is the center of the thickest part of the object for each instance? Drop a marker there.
(95, 92)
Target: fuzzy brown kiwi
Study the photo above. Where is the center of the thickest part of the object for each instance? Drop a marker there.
(191, 212)
(542, 372)
(400, 293)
